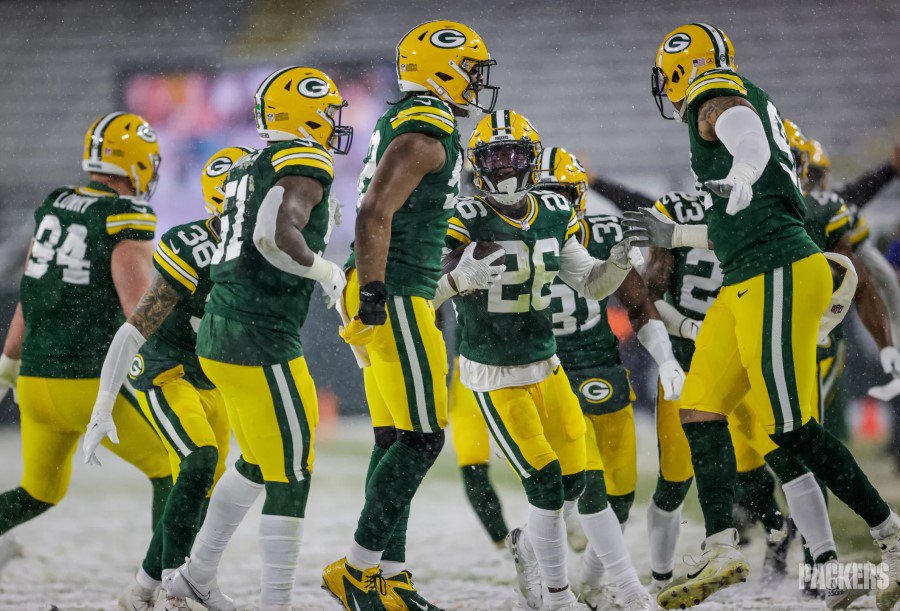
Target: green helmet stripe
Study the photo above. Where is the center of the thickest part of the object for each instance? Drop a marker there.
(261, 95)
(717, 41)
(98, 132)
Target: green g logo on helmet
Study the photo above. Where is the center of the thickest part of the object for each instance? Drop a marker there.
(677, 42)
(596, 390)
(218, 166)
(313, 87)
(448, 39)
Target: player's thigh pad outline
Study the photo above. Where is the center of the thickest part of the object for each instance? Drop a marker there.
(55, 412)
(777, 321)
(751, 443)
(273, 411)
(563, 421)
(616, 441)
(468, 429)
(674, 450)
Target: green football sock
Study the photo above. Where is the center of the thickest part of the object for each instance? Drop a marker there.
(396, 545)
(184, 506)
(152, 563)
(390, 488)
(755, 490)
(17, 506)
(484, 500)
(712, 455)
(785, 465)
(621, 504)
(669, 496)
(832, 462)
(594, 498)
(544, 489)
(161, 488)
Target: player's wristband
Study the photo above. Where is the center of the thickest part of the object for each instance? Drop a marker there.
(319, 270)
(690, 236)
(372, 300)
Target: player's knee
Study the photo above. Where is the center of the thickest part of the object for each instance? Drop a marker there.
(573, 485)
(249, 470)
(286, 498)
(426, 444)
(669, 495)
(594, 498)
(544, 489)
(688, 416)
(785, 465)
(805, 440)
(621, 505)
(199, 468)
(385, 436)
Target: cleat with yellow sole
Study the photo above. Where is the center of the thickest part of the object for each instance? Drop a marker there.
(355, 589)
(401, 594)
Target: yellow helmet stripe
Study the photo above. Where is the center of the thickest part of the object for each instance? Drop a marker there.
(261, 95)
(305, 150)
(97, 133)
(439, 124)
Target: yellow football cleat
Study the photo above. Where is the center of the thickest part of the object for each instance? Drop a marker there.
(401, 595)
(355, 589)
(719, 566)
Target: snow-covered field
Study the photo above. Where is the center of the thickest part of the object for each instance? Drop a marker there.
(82, 553)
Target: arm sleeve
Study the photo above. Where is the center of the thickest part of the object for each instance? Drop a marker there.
(671, 318)
(130, 220)
(861, 191)
(125, 345)
(619, 195)
(655, 339)
(591, 277)
(741, 131)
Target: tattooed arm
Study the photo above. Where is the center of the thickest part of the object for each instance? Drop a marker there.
(155, 304)
(712, 109)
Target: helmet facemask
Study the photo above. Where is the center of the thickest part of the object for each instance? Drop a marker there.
(478, 74)
(505, 170)
(658, 82)
(342, 135)
(145, 192)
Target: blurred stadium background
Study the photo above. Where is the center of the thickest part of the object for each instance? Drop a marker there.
(579, 70)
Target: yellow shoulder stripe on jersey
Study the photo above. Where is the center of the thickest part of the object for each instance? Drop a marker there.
(309, 150)
(141, 221)
(457, 231)
(838, 220)
(97, 192)
(860, 230)
(662, 208)
(430, 119)
(458, 226)
(715, 80)
(307, 160)
(446, 115)
(573, 226)
(176, 266)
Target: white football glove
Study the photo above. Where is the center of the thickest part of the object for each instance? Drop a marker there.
(100, 427)
(623, 256)
(473, 274)
(9, 374)
(737, 187)
(333, 284)
(671, 378)
(690, 328)
(890, 361)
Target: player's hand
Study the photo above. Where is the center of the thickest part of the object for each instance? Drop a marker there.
(358, 333)
(737, 187)
(99, 428)
(649, 227)
(671, 378)
(620, 254)
(9, 374)
(372, 300)
(890, 361)
(334, 285)
(471, 274)
(690, 328)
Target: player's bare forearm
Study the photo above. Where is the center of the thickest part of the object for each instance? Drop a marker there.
(12, 347)
(406, 160)
(712, 109)
(153, 308)
(301, 195)
(869, 304)
(636, 299)
(658, 272)
(132, 269)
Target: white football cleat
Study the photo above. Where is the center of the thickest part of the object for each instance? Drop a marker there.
(597, 597)
(137, 597)
(719, 566)
(569, 606)
(837, 597)
(10, 549)
(180, 584)
(578, 541)
(165, 602)
(528, 573)
(887, 597)
(658, 585)
(641, 602)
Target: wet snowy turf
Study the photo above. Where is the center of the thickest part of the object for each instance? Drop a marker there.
(82, 553)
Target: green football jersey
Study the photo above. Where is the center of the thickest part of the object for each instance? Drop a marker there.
(69, 301)
(419, 226)
(511, 324)
(182, 258)
(583, 335)
(827, 219)
(769, 233)
(255, 310)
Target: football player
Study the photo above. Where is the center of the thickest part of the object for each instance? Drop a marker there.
(508, 351)
(276, 220)
(857, 193)
(408, 188)
(758, 340)
(88, 265)
(155, 349)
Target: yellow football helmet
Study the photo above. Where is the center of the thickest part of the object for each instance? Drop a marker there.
(301, 102)
(215, 171)
(684, 54)
(123, 144)
(561, 172)
(799, 148)
(503, 151)
(450, 60)
(819, 166)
